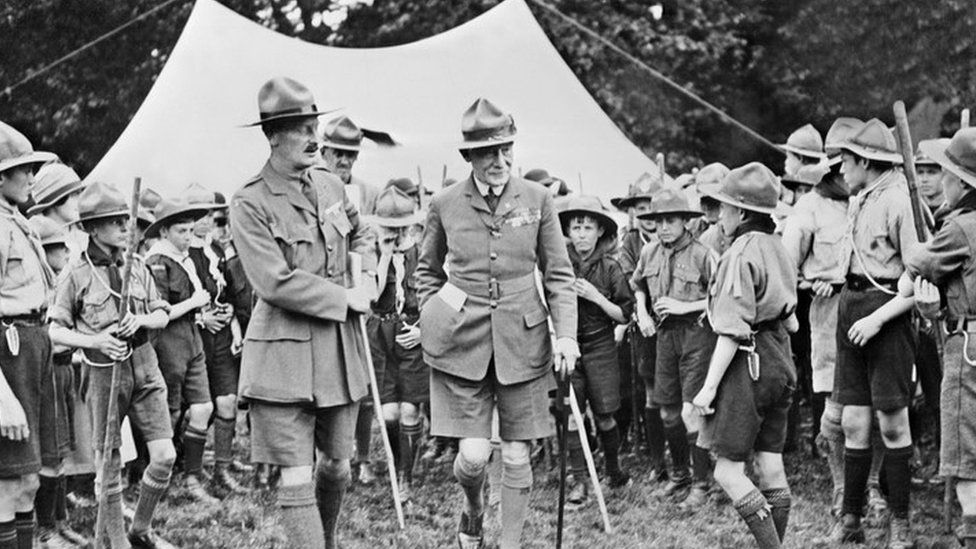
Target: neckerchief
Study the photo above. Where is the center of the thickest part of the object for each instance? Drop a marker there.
(166, 248)
(967, 203)
(213, 262)
(666, 267)
(98, 258)
(757, 223)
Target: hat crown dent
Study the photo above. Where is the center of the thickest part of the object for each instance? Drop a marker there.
(342, 130)
(538, 175)
(101, 199)
(485, 121)
(51, 178)
(646, 184)
(875, 136)
(13, 144)
(283, 94)
(842, 130)
(149, 199)
(806, 138)
(753, 184)
(196, 193)
(962, 149)
(711, 174)
(47, 229)
(669, 200)
(394, 203)
(404, 185)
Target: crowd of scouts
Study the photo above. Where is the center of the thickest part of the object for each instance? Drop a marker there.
(689, 335)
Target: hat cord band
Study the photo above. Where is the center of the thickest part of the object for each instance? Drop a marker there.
(955, 160)
(294, 110)
(342, 141)
(872, 148)
(490, 134)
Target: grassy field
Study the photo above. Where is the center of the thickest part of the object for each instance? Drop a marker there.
(639, 520)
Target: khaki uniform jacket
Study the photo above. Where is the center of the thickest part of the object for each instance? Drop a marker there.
(302, 344)
(948, 260)
(492, 258)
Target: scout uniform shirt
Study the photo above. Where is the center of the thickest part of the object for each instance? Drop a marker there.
(715, 239)
(26, 280)
(814, 237)
(293, 236)
(399, 292)
(681, 270)
(602, 270)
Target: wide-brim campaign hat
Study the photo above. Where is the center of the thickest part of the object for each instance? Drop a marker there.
(395, 209)
(16, 150)
(408, 187)
(342, 133)
(710, 178)
(808, 174)
(145, 218)
(284, 98)
(53, 182)
(99, 201)
(198, 195)
(840, 131)
(149, 199)
(922, 159)
(642, 189)
(874, 141)
(805, 141)
(571, 206)
(170, 210)
(539, 175)
(670, 202)
(483, 124)
(751, 187)
(957, 155)
(49, 231)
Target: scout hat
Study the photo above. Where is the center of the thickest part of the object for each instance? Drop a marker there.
(49, 231)
(485, 125)
(554, 184)
(395, 208)
(874, 141)
(572, 206)
(921, 159)
(198, 195)
(52, 183)
(342, 133)
(669, 202)
(16, 150)
(169, 211)
(100, 200)
(805, 141)
(710, 177)
(808, 174)
(958, 155)
(408, 187)
(840, 131)
(282, 98)
(751, 187)
(684, 180)
(642, 189)
(149, 199)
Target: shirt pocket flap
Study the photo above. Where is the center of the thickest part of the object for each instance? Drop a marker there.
(535, 318)
(270, 323)
(293, 235)
(98, 310)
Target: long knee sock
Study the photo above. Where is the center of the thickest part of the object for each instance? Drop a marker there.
(364, 432)
(780, 500)
(224, 439)
(24, 524)
(896, 464)
(193, 442)
(857, 467)
(409, 439)
(393, 432)
(677, 437)
(611, 448)
(8, 535)
(329, 492)
(45, 502)
(701, 461)
(817, 405)
(967, 532)
(61, 500)
(755, 511)
(835, 461)
(472, 481)
(877, 456)
(112, 521)
(495, 474)
(152, 488)
(300, 517)
(516, 487)
(654, 427)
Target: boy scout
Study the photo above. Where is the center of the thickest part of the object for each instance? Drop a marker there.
(711, 177)
(482, 323)
(394, 336)
(803, 147)
(671, 286)
(25, 350)
(637, 350)
(604, 301)
(303, 364)
(179, 345)
(747, 392)
(875, 344)
(948, 262)
(85, 315)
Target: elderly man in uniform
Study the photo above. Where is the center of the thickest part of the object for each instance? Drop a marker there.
(483, 327)
(303, 364)
(342, 140)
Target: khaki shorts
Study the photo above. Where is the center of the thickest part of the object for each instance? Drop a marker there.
(289, 434)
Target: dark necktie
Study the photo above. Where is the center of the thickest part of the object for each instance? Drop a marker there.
(492, 199)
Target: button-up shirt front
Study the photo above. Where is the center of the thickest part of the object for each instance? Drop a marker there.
(26, 281)
(880, 228)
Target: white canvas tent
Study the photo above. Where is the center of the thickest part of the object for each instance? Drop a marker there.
(189, 126)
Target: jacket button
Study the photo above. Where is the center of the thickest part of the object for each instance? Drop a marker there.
(493, 256)
(329, 247)
(330, 272)
(494, 304)
(496, 234)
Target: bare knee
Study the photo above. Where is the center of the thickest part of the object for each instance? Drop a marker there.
(671, 415)
(515, 452)
(770, 470)
(227, 406)
(162, 452)
(337, 470)
(391, 412)
(856, 422)
(605, 422)
(409, 413)
(200, 414)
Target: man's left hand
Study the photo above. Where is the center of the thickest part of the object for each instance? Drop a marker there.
(565, 354)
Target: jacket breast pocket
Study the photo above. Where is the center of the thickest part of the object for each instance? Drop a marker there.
(98, 310)
(295, 242)
(827, 243)
(687, 284)
(270, 323)
(15, 274)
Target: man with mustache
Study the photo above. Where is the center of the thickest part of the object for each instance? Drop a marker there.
(483, 327)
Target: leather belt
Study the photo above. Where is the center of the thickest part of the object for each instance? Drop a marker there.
(860, 283)
(494, 288)
(33, 318)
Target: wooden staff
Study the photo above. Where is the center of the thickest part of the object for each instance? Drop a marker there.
(562, 393)
(590, 465)
(964, 119)
(659, 160)
(908, 156)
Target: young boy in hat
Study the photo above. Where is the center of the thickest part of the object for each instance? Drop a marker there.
(875, 343)
(946, 262)
(637, 349)
(85, 315)
(394, 334)
(710, 177)
(747, 392)
(604, 301)
(671, 287)
(179, 346)
(803, 147)
(25, 349)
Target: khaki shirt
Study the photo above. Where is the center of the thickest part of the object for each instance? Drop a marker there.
(681, 271)
(814, 237)
(949, 262)
(26, 280)
(755, 283)
(880, 228)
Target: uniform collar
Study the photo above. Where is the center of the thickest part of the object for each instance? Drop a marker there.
(883, 181)
(683, 242)
(484, 188)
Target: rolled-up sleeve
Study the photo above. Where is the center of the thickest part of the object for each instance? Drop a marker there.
(732, 308)
(937, 259)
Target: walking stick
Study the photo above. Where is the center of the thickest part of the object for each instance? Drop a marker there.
(561, 394)
(355, 262)
(637, 419)
(112, 413)
(588, 454)
(908, 157)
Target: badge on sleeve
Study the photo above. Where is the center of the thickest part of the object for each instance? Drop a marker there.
(336, 215)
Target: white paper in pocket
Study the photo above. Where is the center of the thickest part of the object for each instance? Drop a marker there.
(453, 296)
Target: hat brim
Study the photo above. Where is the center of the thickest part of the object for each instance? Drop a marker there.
(53, 199)
(194, 211)
(36, 157)
(468, 145)
(792, 184)
(610, 226)
(894, 158)
(210, 206)
(340, 146)
(296, 116)
(103, 215)
(802, 152)
(415, 218)
(63, 240)
(684, 213)
(624, 202)
(780, 209)
(936, 150)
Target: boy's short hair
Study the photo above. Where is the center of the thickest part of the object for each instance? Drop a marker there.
(90, 225)
(188, 218)
(583, 218)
